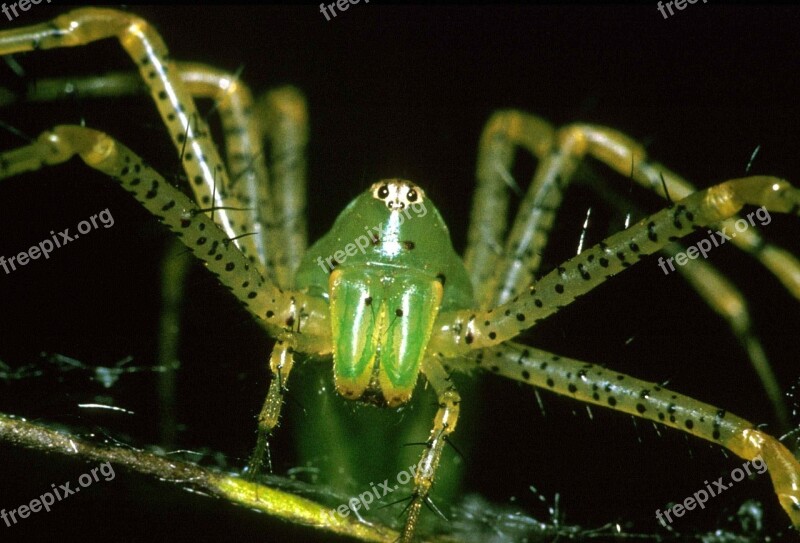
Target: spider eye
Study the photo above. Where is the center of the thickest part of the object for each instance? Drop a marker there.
(383, 192)
(412, 195)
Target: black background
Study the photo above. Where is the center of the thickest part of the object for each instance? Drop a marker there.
(404, 91)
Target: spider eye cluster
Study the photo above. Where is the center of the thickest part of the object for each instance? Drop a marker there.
(397, 194)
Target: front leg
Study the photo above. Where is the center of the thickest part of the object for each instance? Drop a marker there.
(277, 310)
(443, 425)
(458, 332)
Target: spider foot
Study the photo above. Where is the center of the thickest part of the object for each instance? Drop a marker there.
(783, 467)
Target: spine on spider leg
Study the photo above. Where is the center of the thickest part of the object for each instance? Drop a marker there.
(596, 385)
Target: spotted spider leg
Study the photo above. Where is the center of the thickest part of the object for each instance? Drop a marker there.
(594, 384)
(273, 193)
(444, 423)
(559, 154)
(278, 311)
(721, 296)
(459, 332)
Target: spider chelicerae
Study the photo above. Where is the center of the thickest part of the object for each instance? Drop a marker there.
(516, 128)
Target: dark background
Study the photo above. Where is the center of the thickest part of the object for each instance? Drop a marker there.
(404, 91)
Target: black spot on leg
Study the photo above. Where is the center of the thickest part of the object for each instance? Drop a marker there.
(651, 231)
(229, 266)
(560, 288)
(153, 192)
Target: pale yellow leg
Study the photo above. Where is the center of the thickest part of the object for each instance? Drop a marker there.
(281, 362)
(444, 423)
(594, 384)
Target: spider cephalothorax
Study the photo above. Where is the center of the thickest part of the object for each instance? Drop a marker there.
(388, 267)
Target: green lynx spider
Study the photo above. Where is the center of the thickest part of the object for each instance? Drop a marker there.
(405, 305)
